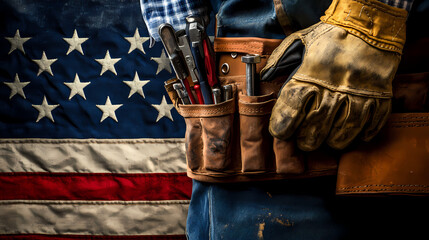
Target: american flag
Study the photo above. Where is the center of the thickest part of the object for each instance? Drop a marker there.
(91, 147)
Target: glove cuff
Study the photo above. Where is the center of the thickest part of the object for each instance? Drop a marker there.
(378, 24)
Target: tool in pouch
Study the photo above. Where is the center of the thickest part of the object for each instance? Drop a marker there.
(183, 43)
(229, 138)
(193, 59)
(251, 60)
(169, 40)
(203, 55)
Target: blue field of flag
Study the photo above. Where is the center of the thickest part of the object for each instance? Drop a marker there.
(82, 69)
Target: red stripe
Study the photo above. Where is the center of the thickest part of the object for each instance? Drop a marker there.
(89, 237)
(95, 186)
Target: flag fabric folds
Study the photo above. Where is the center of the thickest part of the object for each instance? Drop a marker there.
(90, 145)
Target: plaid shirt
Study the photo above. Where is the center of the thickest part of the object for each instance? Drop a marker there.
(404, 4)
(174, 12)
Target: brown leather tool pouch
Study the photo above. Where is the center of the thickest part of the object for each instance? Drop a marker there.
(211, 137)
(256, 143)
(230, 141)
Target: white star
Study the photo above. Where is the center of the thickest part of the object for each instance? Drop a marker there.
(164, 109)
(17, 87)
(44, 64)
(163, 63)
(109, 110)
(17, 42)
(136, 42)
(136, 85)
(108, 63)
(75, 43)
(45, 110)
(76, 87)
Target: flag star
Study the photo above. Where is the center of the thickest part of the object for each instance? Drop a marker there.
(17, 42)
(76, 87)
(75, 43)
(163, 63)
(108, 63)
(136, 85)
(108, 110)
(45, 110)
(164, 109)
(45, 64)
(136, 42)
(16, 87)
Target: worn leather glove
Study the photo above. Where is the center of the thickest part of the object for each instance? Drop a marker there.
(340, 74)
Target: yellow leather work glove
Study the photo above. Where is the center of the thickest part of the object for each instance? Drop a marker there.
(340, 74)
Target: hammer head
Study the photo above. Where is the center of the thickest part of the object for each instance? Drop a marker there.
(251, 58)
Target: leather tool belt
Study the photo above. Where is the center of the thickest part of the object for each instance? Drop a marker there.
(230, 142)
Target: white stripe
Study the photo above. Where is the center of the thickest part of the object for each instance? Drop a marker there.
(93, 217)
(93, 155)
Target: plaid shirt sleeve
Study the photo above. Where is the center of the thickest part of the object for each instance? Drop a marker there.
(404, 4)
(174, 12)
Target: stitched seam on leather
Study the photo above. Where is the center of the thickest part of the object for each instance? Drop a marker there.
(416, 117)
(381, 8)
(262, 109)
(328, 84)
(248, 110)
(386, 189)
(377, 43)
(409, 122)
(249, 45)
(199, 112)
(385, 185)
(410, 126)
(256, 113)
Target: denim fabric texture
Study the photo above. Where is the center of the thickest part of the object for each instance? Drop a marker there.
(301, 16)
(299, 209)
(250, 18)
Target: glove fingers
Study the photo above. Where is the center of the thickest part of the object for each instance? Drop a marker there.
(378, 119)
(317, 124)
(290, 108)
(351, 119)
